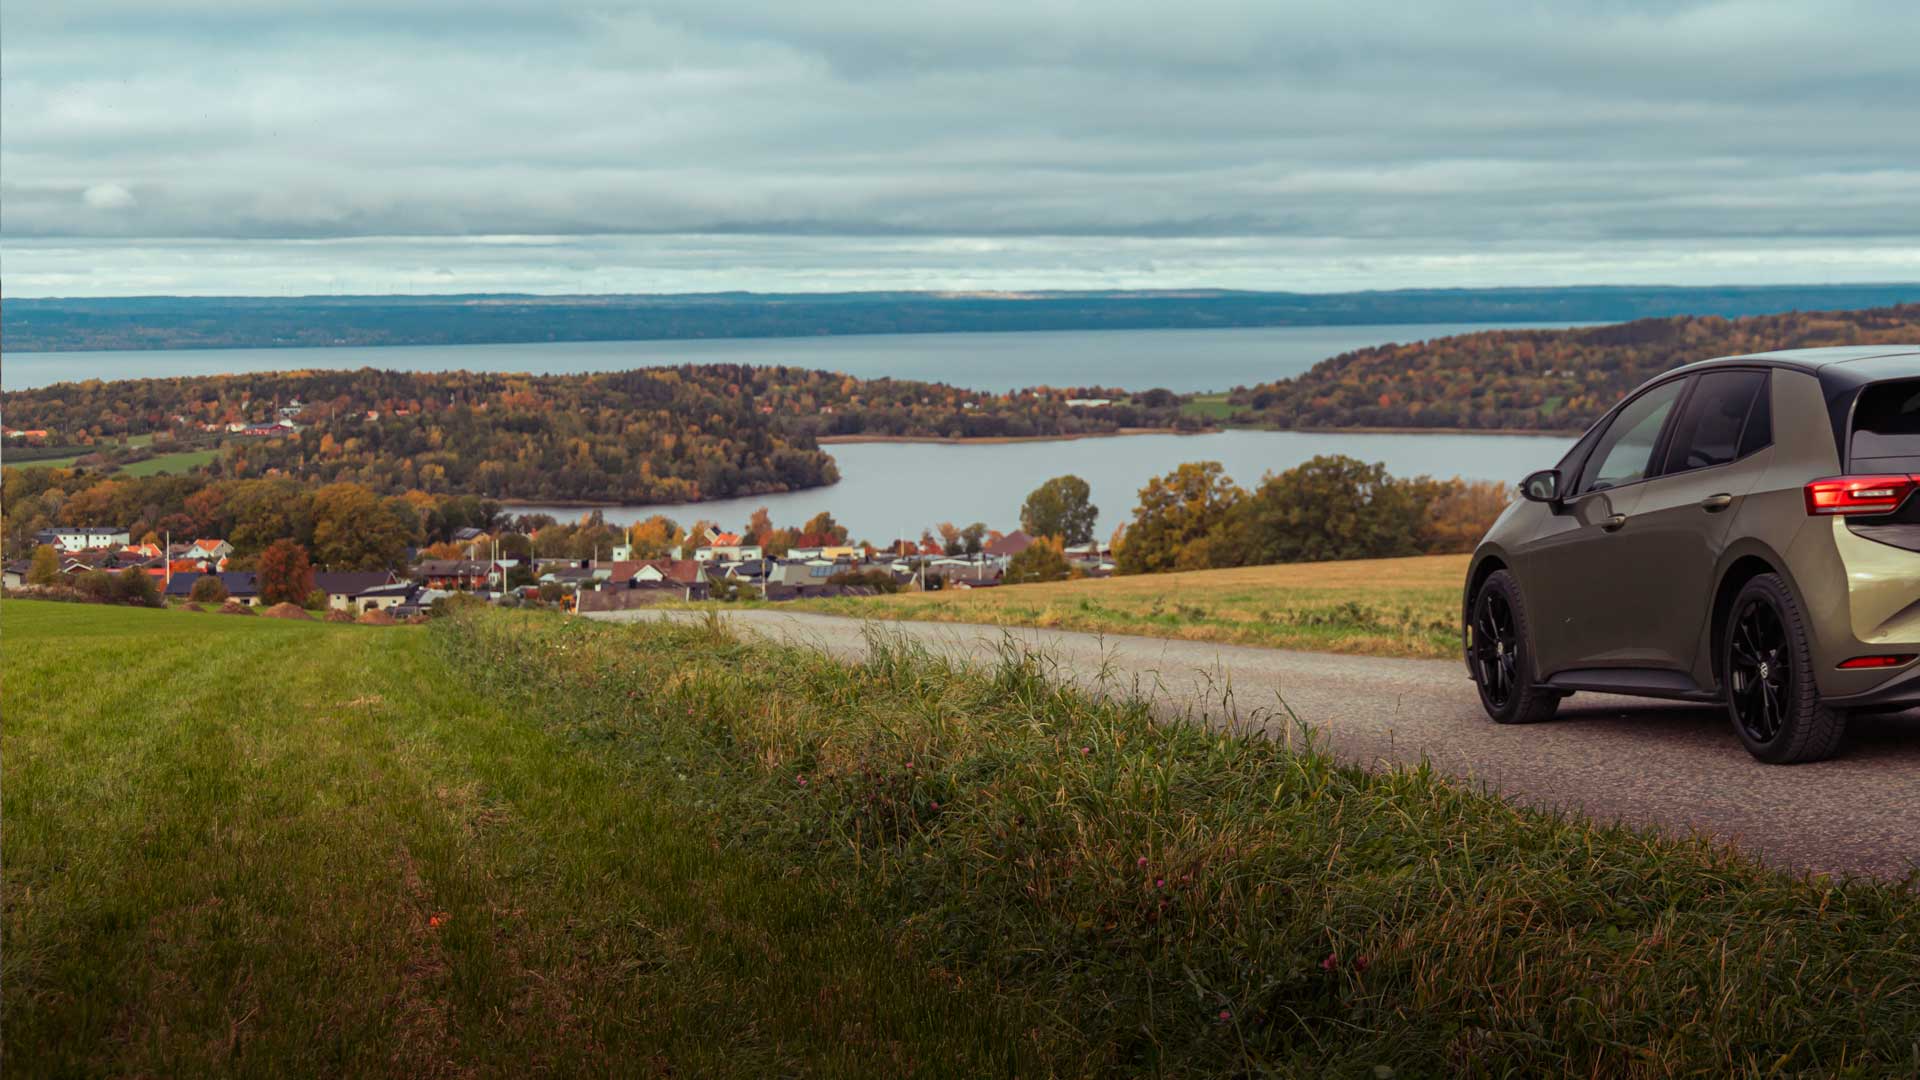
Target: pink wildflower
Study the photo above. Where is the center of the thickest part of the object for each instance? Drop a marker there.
(1142, 862)
(1225, 1016)
(1332, 961)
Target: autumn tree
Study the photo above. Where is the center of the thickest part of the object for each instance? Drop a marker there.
(354, 529)
(1042, 560)
(1060, 507)
(96, 585)
(1177, 513)
(285, 575)
(822, 531)
(653, 538)
(45, 568)
(208, 589)
(136, 587)
(1330, 507)
(759, 526)
(1459, 513)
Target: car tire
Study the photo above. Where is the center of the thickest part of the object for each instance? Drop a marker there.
(1500, 653)
(1767, 659)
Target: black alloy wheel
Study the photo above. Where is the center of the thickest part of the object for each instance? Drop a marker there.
(1759, 676)
(1767, 661)
(1496, 648)
(1499, 654)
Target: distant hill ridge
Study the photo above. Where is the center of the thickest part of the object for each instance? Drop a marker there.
(174, 322)
(1538, 379)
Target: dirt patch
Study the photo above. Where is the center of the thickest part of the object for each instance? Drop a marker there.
(376, 618)
(336, 615)
(235, 607)
(285, 610)
(196, 608)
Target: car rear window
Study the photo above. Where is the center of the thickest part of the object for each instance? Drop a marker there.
(1886, 427)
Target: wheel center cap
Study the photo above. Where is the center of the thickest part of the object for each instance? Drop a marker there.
(1764, 669)
(1499, 648)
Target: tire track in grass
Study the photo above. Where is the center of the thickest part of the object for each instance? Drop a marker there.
(615, 928)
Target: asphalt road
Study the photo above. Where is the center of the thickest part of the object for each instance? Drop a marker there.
(1675, 767)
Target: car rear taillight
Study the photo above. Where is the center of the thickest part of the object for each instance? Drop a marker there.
(1859, 662)
(1859, 494)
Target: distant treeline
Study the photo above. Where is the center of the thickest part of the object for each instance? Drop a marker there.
(1538, 379)
(652, 435)
(173, 322)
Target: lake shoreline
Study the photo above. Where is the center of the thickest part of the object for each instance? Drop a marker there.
(1002, 440)
(998, 440)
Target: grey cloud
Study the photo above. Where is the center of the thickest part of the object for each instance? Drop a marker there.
(1362, 130)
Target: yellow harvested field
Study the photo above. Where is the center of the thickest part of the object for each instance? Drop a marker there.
(1378, 607)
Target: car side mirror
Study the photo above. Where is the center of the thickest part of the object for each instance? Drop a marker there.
(1543, 486)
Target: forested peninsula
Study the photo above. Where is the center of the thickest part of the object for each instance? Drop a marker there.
(1538, 380)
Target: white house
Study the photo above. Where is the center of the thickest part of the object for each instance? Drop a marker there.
(84, 538)
(727, 553)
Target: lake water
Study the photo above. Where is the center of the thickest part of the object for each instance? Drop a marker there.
(888, 490)
(1182, 360)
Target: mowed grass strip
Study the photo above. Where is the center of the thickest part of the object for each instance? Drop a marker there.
(1373, 607)
(274, 848)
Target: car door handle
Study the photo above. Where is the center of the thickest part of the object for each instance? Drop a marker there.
(1612, 523)
(1713, 504)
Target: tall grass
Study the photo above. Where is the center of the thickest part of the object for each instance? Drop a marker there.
(1186, 900)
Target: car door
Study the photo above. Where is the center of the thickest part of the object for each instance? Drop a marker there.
(1574, 572)
(1677, 529)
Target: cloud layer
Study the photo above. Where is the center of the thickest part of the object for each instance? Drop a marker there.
(1045, 142)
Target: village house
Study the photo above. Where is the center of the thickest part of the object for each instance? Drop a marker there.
(83, 538)
(457, 574)
(1008, 546)
(574, 577)
(348, 590)
(724, 552)
(806, 571)
(955, 569)
(241, 585)
(642, 571)
(830, 552)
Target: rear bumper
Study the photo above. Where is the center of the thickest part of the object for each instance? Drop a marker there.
(1902, 689)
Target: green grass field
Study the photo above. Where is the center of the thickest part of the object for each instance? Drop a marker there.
(516, 845)
(1210, 407)
(1377, 607)
(46, 463)
(177, 463)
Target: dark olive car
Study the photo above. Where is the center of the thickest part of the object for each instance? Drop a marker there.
(1743, 531)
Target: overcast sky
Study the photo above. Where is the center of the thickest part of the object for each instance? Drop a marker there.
(150, 146)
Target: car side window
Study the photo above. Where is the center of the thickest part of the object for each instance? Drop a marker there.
(1708, 430)
(1625, 453)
